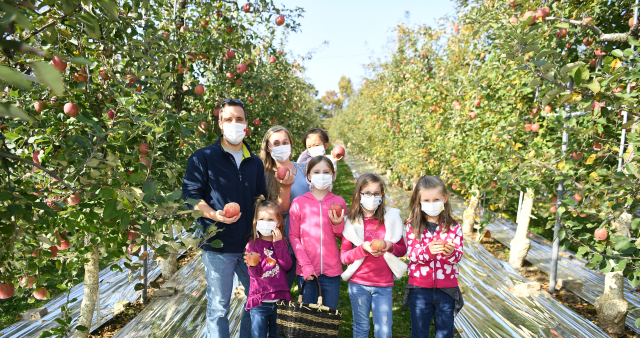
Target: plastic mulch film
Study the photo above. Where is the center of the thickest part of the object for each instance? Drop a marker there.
(569, 266)
(491, 310)
(185, 313)
(114, 287)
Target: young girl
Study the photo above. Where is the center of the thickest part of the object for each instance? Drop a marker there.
(373, 269)
(313, 230)
(268, 270)
(275, 152)
(434, 242)
(316, 143)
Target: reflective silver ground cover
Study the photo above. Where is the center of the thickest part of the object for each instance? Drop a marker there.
(114, 287)
(184, 314)
(490, 309)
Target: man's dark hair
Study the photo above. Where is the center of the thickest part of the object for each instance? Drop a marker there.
(235, 104)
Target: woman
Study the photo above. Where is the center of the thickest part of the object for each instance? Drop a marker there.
(275, 152)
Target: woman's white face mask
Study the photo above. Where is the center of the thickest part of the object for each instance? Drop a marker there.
(281, 153)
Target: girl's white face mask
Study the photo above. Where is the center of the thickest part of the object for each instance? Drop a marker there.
(432, 209)
(321, 181)
(370, 203)
(234, 132)
(316, 151)
(265, 227)
(281, 153)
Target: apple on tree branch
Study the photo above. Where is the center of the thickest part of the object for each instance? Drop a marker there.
(603, 37)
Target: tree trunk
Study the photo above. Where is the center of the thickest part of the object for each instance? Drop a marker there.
(91, 271)
(169, 266)
(520, 244)
(469, 217)
(611, 306)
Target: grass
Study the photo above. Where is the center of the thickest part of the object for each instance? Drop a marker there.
(10, 309)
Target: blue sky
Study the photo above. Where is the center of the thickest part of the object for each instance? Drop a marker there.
(355, 32)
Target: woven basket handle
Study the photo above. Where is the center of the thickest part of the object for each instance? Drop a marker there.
(319, 291)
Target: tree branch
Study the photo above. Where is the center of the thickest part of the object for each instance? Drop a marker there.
(602, 37)
(48, 24)
(558, 172)
(49, 172)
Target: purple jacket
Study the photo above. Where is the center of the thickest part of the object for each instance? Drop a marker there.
(269, 278)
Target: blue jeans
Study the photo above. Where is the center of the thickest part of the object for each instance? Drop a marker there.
(376, 299)
(330, 287)
(431, 303)
(263, 320)
(219, 269)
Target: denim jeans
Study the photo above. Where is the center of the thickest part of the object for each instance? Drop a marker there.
(376, 299)
(431, 303)
(263, 321)
(330, 287)
(219, 269)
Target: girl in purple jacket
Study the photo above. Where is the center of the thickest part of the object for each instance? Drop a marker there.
(267, 256)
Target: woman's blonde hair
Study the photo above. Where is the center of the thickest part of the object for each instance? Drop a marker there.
(270, 167)
(418, 218)
(264, 204)
(356, 212)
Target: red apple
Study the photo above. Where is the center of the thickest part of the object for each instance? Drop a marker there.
(27, 281)
(6, 290)
(231, 210)
(199, 89)
(131, 79)
(35, 156)
(58, 64)
(593, 62)
(144, 148)
(203, 125)
(131, 235)
(527, 127)
(281, 173)
(71, 109)
(577, 197)
(483, 55)
(230, 54)
(378, 245)
(229, 29)
(54, 251)
(253, 258)
(597, 146)
(535, 127)
(144, 161)
(280, 20)
(553, 209)
(272, 59)
(338, 208)
(599, 52)
(576, 155)
(251, 100)
(601, 234)
(256, 122)
(39, 106)
(130, 248)
(216, 112)
(246, 7)
(184, 29)
(456, 28)
(272, 121)
(529, 17)
(338, 152)
(74, 199)
(493, 184)
(547, 109)
(632, 21)
(477, 102)
(64, 244)
(111, 114)
(454, 186)
(241, 68)
(513, 20)
(587, 41)
(472, 115)
(561, 33)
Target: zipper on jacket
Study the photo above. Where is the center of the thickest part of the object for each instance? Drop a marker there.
(321, 237)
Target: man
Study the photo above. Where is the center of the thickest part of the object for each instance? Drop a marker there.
(224, 172)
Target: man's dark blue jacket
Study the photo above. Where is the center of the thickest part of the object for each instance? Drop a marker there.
(213, 176)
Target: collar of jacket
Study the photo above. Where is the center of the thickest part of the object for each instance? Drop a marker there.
(246, 150)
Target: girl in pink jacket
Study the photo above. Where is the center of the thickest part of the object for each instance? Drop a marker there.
(316, 221)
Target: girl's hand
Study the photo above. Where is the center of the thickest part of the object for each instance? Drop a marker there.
(366, 246)
(334, 217)
(289, 178)
(449, 248)
(312, 277)
(389, 246)
(276, 234)
(436, 247)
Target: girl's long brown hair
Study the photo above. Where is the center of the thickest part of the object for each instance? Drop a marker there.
(356, 212)
(263, 204)
(270, 167)
(418, 218)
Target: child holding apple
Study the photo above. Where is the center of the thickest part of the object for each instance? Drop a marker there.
(316, 220)
(434, 242)
(268, 259)
(371, 244)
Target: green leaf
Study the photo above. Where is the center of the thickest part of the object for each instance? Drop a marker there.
(82, 60)
(95, 124)
(145, 227)
(177, 194)
(16, 15)
(110, 8)
(594, 86)
(14, 209)
(581, 75)
(13, 112)
(12, 77)
(49, 76)
(110, 208)
(568, 67)
(135, 177)
(617, 53)
(5, 195)
(91, 26)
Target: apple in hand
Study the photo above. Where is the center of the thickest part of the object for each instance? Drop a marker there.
(281, 173)
(338, 152)
(378, 245)
(337, 208)
(253, 258)
(231, 210)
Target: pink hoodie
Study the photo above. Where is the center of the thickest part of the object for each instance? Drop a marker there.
(313, 236)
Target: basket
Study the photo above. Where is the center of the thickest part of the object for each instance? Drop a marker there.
(298, 319)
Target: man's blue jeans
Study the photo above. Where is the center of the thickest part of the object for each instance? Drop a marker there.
(376, 299)
(219, 269)
(263, 321)
(431, 303)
